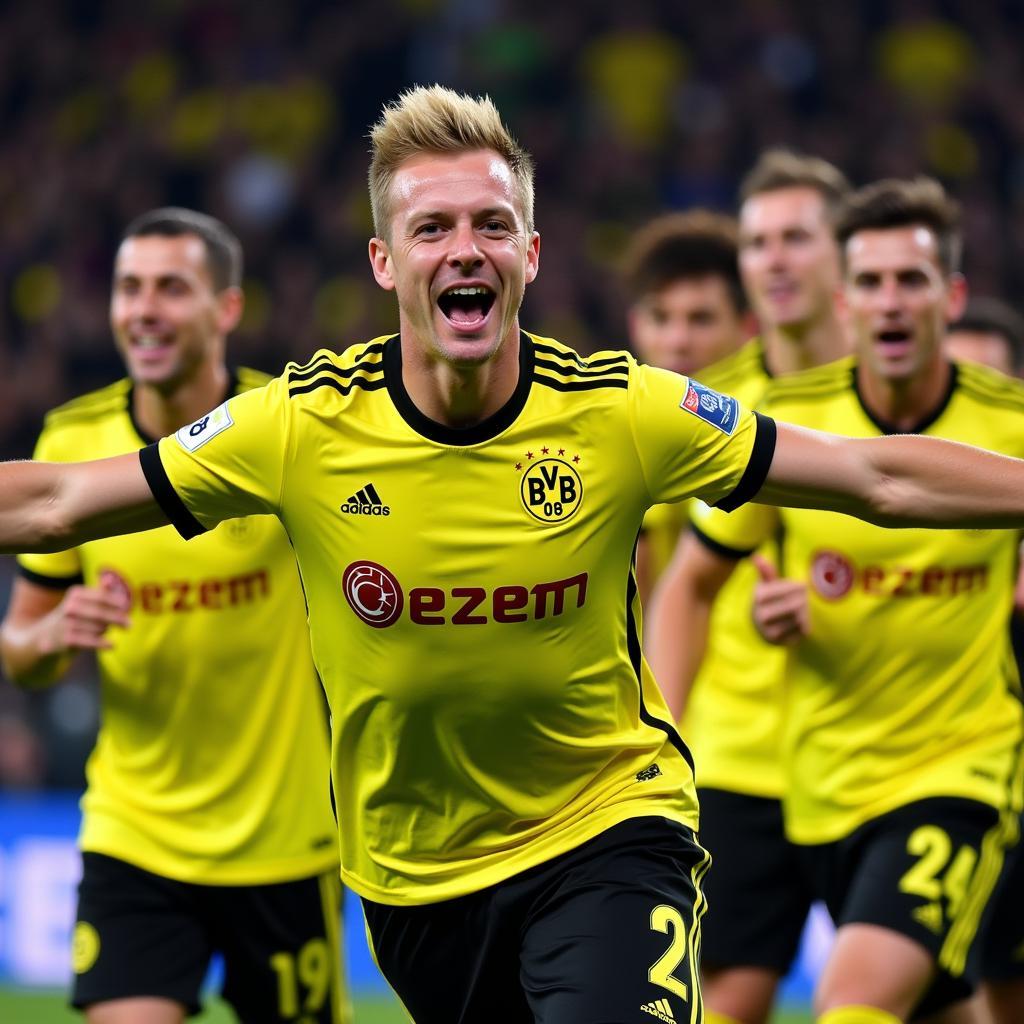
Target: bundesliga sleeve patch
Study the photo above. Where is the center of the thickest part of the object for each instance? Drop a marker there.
(195, 435)
(721, 411)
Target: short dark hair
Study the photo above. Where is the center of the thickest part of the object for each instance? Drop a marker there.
(681, 246)
(899, 203)
(987, 315)
(780, 168)
(223, 250)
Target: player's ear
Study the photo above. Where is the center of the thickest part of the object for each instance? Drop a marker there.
(380, 262)
(956, 300)
(532, 257)
(230, 306)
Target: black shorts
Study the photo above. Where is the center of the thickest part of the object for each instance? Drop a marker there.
(140, 934)
(1002, 931)
(757, 894)
(606, 933)
(925, 870)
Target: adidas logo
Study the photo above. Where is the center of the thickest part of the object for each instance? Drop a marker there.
(366, 502)
(660, 1009)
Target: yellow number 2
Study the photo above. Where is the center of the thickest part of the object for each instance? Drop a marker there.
(665, 920)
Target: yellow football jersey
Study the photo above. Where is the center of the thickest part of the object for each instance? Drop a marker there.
(212, 761)
(906, 686)
(471, 594)
(733, 715)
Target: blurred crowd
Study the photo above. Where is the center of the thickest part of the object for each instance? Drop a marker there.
(258, 113)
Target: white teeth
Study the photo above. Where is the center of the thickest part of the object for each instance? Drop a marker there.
(468, 291)
(148, 341)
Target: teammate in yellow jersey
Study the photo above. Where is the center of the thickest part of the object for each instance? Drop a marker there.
(687, 311)
(517, 809)
(718, 675)
(903, 724)
(207, 822)
(991, 332)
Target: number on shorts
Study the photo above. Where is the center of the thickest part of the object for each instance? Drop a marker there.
(934, 848)
(667, 919)
(312, 967)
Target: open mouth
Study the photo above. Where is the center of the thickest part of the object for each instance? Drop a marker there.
(151, 341)
(466, 306)
(894, 337)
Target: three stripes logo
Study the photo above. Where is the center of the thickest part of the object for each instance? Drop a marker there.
(660, 1009)
(366, 502)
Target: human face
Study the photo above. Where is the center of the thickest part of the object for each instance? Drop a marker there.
(459, 256)
(899, 301)
(789, 259)
(166, 317)
(986, 347)
(687, 325)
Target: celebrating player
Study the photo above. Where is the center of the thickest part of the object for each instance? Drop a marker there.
(207, 822)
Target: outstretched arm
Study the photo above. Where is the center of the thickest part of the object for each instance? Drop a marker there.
(53, 506)
(676, 629)
(895, 481)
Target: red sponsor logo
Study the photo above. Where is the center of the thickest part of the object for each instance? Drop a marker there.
(692, 400)
(831, 574)
(834, 575)
(158, 597)
(373, 593)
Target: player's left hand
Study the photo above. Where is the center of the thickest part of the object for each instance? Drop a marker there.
(781, 611)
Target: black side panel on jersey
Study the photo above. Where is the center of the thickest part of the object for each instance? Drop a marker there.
(636, 660)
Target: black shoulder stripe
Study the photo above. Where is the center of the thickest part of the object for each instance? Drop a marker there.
(342, 388)
(578, 359)
(557, 384)
(326, 363)
(50, 582)
(572, 371)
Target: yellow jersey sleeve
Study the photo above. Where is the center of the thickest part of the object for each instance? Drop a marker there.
(228, 463)
(735, 533)
(59, 569)
(693, 440)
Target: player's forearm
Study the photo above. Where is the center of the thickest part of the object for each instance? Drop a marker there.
(30, 508)
(910, 481)
(48, 506)
(924, 481)
(675, 638)
(27, 660)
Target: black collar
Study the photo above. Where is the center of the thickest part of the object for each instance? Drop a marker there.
(457, 436)
(919, 427)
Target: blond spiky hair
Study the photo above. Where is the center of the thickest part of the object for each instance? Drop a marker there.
(438, 120)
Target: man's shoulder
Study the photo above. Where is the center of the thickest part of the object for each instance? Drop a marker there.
(91, 408)
(809, 388)
(359, 366)
(989, 388)
(744, 369)
(562, 368)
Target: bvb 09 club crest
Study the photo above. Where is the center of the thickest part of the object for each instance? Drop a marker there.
(551, 490)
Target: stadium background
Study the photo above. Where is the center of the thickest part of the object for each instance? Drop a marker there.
(258, 113)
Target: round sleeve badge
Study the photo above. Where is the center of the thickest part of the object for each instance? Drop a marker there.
(551, 490)
(85, 947)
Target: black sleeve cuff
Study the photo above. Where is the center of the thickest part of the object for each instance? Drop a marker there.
(166, 496)
(757, 468)
(50, 582)
(723, 550)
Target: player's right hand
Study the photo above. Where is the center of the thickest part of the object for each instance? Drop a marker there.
(781, 611)
(81, 620)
